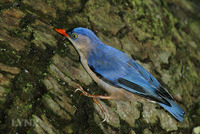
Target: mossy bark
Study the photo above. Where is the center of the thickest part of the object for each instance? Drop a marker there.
(38, 68)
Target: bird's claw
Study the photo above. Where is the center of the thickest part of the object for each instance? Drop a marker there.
(95, 97)
(78, 89)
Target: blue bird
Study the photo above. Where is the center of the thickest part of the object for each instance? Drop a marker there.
(118, 74)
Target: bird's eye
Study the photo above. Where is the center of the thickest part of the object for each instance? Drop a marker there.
(74, 36)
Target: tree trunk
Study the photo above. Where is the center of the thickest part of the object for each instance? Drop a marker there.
(38, 67)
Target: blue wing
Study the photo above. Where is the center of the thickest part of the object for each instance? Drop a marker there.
(118, 69)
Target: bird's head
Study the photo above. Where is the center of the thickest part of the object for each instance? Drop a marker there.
(83, 39)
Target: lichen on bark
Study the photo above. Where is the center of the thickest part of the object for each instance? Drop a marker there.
(38, 68)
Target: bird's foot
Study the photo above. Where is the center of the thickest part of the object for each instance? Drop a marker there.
(102, 109)
(95, 98)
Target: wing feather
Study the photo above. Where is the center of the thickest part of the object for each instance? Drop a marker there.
(118, 69)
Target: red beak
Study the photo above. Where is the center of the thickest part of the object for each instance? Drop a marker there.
(61, 31)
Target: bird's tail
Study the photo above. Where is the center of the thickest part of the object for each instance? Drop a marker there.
(174, 109)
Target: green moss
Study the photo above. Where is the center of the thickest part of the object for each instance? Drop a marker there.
(28, 107)
(7, 89)
(7, 55)
(196, 114)
(198, 111)
(47, 95)
(27, 85)
(63, 48)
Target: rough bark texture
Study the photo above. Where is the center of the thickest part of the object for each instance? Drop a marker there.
(38, 67)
